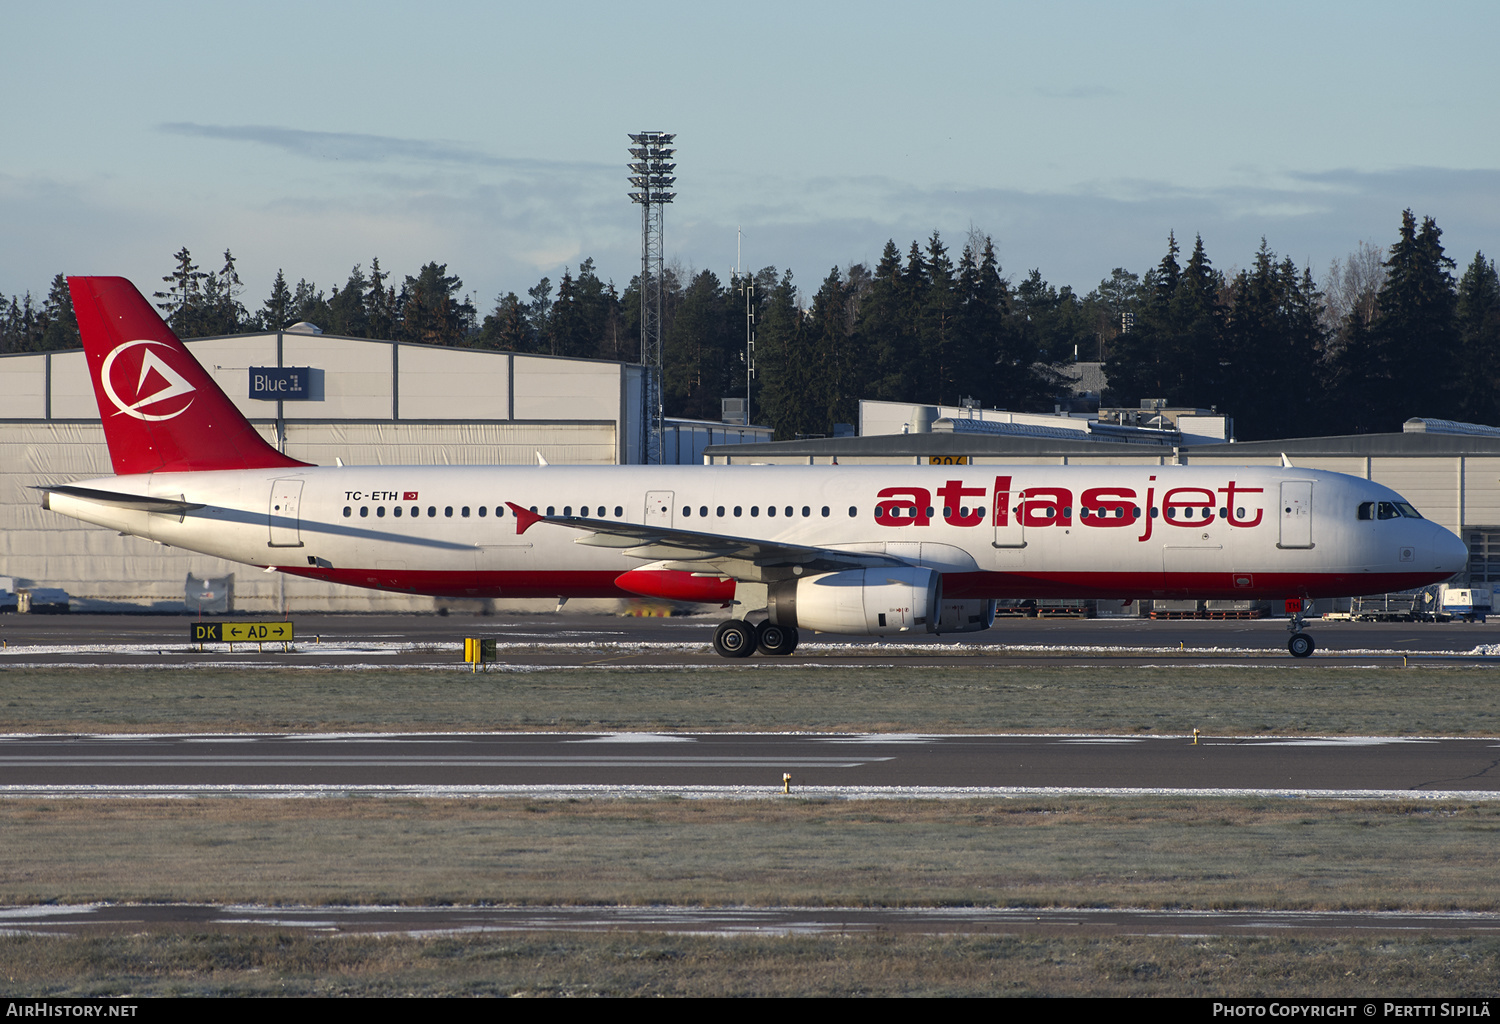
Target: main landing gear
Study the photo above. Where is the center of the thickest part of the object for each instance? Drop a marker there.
(739, 639)
(1301, 645)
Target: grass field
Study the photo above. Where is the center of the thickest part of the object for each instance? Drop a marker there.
(180, 964)
(1088, 852)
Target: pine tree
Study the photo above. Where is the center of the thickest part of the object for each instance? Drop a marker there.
(1478, 313)
(834, 352)
(24, 326)
(1143, 363)
(598, 313)
(1414, 343)
(566, 330)
(998, 356)
(944, 378)
(182, 300)
(220, 311)
(1272, 335)
(380, 304)
(348, 309)
(506, 328)
(784, 364)
(696, 350)
(1192, 346)
(276, 311)
(880, 324)
(539, 312)
(61, 330)
(432, 313)
(309, 304)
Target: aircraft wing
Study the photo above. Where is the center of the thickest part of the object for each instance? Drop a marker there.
(742, 558)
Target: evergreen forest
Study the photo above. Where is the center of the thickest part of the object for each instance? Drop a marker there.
(1389, 333)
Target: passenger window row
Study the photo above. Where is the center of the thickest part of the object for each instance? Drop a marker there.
(788, 511)
(464, 511)
(1367, 510)
(416, 511)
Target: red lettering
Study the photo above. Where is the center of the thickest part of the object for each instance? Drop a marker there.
(1002, 501)
(1229, 504)
(952, 494)
(1150, 512)
(1107, 506)
(910, 511)
(1047, 506)
(1170, 507)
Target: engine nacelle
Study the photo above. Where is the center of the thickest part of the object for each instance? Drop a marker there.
(870, 602)
(964, 616)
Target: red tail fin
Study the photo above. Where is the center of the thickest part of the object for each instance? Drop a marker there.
(161, 410)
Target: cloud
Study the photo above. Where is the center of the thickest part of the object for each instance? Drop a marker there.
(356, 147)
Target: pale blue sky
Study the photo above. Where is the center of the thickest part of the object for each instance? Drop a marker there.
(492, 137)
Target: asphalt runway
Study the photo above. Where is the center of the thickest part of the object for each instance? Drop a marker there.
(744, 765)
(574, 641)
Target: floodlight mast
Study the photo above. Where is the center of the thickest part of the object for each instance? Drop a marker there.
(651, 175)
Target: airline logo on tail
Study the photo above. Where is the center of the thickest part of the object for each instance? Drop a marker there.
(155, 381)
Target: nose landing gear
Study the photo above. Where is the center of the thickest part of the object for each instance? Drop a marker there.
(1300, 645)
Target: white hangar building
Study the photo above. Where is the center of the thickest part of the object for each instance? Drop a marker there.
(365, 403)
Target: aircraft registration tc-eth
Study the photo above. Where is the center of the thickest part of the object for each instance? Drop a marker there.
(866, 550)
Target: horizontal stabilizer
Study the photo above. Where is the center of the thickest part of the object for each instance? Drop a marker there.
(139, 502)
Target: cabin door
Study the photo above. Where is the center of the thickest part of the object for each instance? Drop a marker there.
(286, 524)
(659, 509)
(1007, 518)
(1296, 514)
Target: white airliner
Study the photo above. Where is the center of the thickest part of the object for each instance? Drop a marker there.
(869, 550)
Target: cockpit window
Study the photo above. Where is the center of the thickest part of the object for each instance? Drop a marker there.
(1388, 510)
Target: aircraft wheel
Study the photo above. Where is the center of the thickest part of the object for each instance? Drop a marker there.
(775, 640)
(735, 639)
(1301, 645)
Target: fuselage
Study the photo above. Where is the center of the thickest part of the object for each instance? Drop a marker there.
(991, 531)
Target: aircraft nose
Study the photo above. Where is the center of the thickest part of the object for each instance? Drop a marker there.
(1452, 553)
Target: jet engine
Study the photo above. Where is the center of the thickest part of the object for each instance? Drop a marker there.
(872, 602)
(965, 616)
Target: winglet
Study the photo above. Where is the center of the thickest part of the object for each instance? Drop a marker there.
(1286, 463)
(524, 517)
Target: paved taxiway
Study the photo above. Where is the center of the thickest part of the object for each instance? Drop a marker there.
(747, 766)
(564, 641)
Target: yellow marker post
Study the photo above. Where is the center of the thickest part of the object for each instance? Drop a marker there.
(478, 651)
(1195, 737)
(786, 782)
